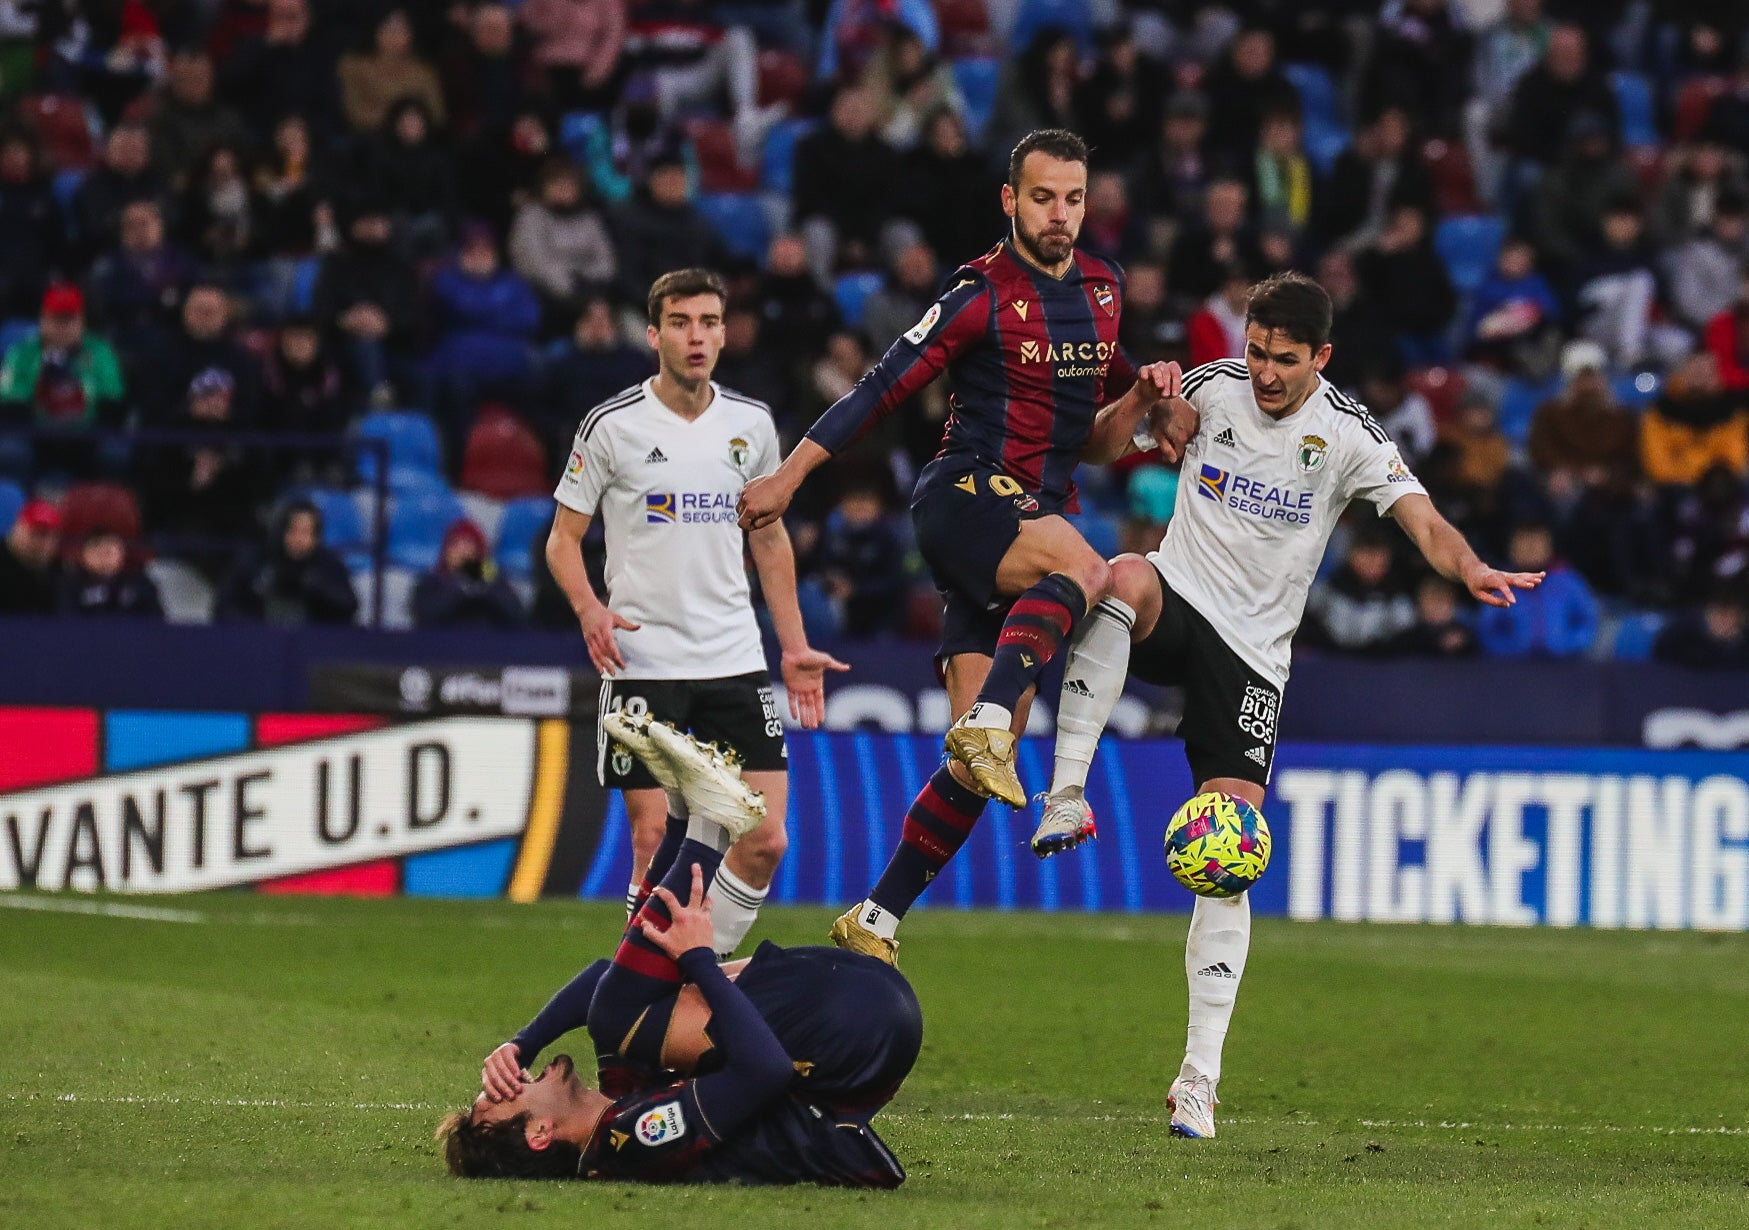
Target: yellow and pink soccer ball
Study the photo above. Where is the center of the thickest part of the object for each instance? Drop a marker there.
(1217, 845)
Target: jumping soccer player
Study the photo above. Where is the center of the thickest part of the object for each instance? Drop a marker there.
(1279, 455)
(765, 1071)
(1028, 334)
(663, 461)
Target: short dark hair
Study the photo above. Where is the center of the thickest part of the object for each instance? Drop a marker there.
(1058, 143)
(1292, 304)
(681, 283)
(501, 1151)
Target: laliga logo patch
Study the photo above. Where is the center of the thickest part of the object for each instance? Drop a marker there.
(663, 1124)
(575, 465)
(916, 336)
(1313, 450)
(1399, 472)
(1105, 298)
(739, 451)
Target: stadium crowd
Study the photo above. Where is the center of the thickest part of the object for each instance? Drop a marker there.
(237, 233)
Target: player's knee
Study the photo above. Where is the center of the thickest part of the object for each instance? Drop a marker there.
(1094, 576)
(762, 850)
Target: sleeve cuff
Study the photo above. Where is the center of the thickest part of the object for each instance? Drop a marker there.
(1142, 438)
(698, 963)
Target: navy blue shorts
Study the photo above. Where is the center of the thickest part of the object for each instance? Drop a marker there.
(967, 514)
(850, 1023)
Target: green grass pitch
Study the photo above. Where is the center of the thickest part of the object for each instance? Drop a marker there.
(281, 1062)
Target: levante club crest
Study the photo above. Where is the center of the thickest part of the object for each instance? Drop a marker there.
(1105, 298)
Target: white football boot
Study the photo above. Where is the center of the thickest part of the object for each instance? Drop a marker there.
(1192, 1102)
(1066, 823)
(710, 781)
(632, 732)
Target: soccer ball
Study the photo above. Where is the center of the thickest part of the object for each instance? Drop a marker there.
(1217, 845)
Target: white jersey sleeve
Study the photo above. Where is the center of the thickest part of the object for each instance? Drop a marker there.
(1376, 473)
(590, 468)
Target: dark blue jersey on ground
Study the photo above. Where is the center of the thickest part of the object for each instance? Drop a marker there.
(1031, 359)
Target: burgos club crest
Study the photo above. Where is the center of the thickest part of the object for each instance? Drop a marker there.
(1313, 450)
(1105, 298)
(739, 451)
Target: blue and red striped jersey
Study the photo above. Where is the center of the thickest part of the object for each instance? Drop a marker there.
(1031, 359)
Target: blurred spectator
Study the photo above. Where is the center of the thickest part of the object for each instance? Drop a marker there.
(410, 172)
(1716, 638)
(62, 376)
(1407, 285)
(1220, 239)
(1563, 84)
(1421, 62)
(1399, 409)
(295, 189)
(371, 83)
(371, 297)
(102, 581)
(1557, 619)
(1618, 293)
(950, 192)
(498, 171)
(1505, 50)
(1705, 271)
(1244, 86)
(188, 119)
(854, 29)
(465, 590)
(748, 366)
(861, 562)
(559, 243)
(204, 342)
(1119, 103)
(1727, 339)
(660, 229)
(1705, 535)
(29, 561)
(577, 47)
(797, 315)
(1361, 606)
(595, 363)
(124, 176)
(1357, 327)
(908, 84)
(1150, 331)
(621, 154)
(1376, 172)
(1216, 330)
(1037, 89)
(292, 580)
(302, 387)
(1109, 229)
(845, 362)
(1514, 318)
(217, 211)
(135, 288)
(207, 490)
(843, 176)
(1467, 470)
(285, 69)
(1283, 191)
(485, 80)
(1696, 425)
(1574, 195)
(487, 318)
(902, 301)
(1437, 631)
(1699, 177)
(1173, 176)
(33, 242)
(697, 59)
(113, 51)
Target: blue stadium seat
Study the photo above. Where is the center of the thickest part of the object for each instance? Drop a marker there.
(516, 530)
(412, 440)
(1075, 17)
(1633, 97)
(777, 161)
(416, 527)
(1635, 636)
(1325, 141)
(575, 129)
(852, 290)
(11, 500)
(740, 222)
(1468, 246)
(303, 289)
(976, 79)
(65, 186)
(1518, 404)
(343, 525)
(1319, 102)
(1101, 532)
(1637, 390)
(14, 331)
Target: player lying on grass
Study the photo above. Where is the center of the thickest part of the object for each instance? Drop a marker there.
(1279, 455)
(764, 1071)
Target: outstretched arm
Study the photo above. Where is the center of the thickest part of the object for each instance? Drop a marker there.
(1445, 548)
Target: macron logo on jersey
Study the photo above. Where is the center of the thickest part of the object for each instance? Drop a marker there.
(1254, 497)
(688, 507)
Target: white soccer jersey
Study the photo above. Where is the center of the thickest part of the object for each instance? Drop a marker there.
(666, 491)
(1257, 501)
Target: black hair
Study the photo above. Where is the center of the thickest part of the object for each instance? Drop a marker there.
(1293, 305)
(1058, 143)
(501, 1150)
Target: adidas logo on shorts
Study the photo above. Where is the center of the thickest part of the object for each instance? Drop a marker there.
(1226, 437)
(1220, 969)
(655, 455)
(1259, 755)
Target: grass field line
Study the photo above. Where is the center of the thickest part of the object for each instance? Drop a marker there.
(102, 909)
(1397, 1125)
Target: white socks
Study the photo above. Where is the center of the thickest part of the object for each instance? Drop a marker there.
(1214, 962)
(988, 715)
(882, 921)
(736, 906)
(1093, 679)
(707, 832)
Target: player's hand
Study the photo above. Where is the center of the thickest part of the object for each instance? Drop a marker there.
(1160, 380)
(1494, 587)
(1172, 423)
(690, 926)
(598, 628)
(804, 678)
(503, 1077)
(763, 501)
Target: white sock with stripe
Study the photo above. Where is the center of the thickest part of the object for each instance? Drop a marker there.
(1214, 963)
(736, 907)
(1093, 679)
